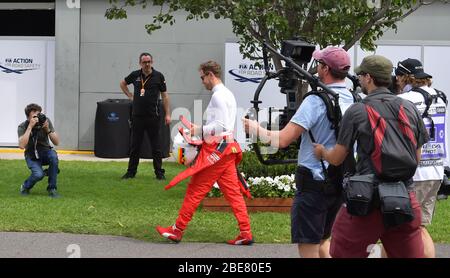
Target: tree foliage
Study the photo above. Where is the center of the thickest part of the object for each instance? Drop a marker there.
(322, 22)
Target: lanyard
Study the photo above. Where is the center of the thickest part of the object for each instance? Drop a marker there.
(143, 84)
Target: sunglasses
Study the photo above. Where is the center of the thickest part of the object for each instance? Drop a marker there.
(202, 77)
(321, 62)
(362, 74)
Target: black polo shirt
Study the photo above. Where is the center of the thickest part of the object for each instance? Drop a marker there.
(146, 105)
(355, 126)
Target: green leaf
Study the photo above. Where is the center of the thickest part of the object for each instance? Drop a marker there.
(321, 22)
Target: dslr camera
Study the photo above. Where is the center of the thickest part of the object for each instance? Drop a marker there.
(41, 120)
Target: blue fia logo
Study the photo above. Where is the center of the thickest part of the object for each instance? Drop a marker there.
(11, 70)
(113, 117)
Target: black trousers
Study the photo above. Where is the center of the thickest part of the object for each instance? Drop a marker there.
(151, 125)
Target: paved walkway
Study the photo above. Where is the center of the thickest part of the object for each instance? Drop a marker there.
(38, 245)
(59, 245)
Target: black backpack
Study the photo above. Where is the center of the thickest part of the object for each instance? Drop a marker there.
(334, 115)
(429, 99)
(394, 143)
(331, 102)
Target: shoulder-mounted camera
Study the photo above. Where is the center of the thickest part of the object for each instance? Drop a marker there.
(296, 54)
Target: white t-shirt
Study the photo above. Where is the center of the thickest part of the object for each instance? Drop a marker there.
(431, 166)
(220, 113)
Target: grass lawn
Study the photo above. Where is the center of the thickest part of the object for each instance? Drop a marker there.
(96, 201)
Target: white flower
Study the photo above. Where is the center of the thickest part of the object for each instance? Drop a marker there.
(280, 185)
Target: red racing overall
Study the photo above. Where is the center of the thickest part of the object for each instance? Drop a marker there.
(216, 162)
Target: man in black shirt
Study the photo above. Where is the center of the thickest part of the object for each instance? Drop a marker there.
(34, 135)
(149, 86)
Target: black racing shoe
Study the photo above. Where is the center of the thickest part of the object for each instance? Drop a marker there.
(160, 177)
(128, 175)
(53, 193)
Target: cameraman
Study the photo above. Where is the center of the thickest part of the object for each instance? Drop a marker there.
(314, 210)
(33, 137)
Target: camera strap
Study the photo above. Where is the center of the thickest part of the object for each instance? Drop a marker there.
(34, 138)
(325, 172)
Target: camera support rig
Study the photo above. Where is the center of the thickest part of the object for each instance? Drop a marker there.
(295, 53)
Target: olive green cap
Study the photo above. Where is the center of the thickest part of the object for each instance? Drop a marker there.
(377, 66)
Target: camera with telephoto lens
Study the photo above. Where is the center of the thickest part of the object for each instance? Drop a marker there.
(41, 120)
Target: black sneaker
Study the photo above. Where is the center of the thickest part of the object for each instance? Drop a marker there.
(160, 177)
(24, 191)
(53, 193)
(128, 175)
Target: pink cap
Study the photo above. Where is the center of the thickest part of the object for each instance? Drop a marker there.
(335, 57)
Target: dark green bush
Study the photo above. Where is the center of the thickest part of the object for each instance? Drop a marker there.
(252, 167)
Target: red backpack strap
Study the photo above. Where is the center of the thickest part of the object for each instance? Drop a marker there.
(405, 126)
(378, 125)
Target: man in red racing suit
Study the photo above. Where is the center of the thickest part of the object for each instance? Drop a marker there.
(216, 162)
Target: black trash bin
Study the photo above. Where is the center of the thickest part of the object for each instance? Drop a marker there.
(112, 128)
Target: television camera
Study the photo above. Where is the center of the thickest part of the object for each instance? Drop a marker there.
(296, 54)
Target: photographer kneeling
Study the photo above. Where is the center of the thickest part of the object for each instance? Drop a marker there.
(34, 136)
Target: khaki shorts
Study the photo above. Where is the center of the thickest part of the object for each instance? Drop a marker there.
(426, 192)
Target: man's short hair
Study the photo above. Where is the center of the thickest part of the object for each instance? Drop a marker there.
(338, 74)
(144, 54)
(381, 82)
(32, 107)
(211, 66)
